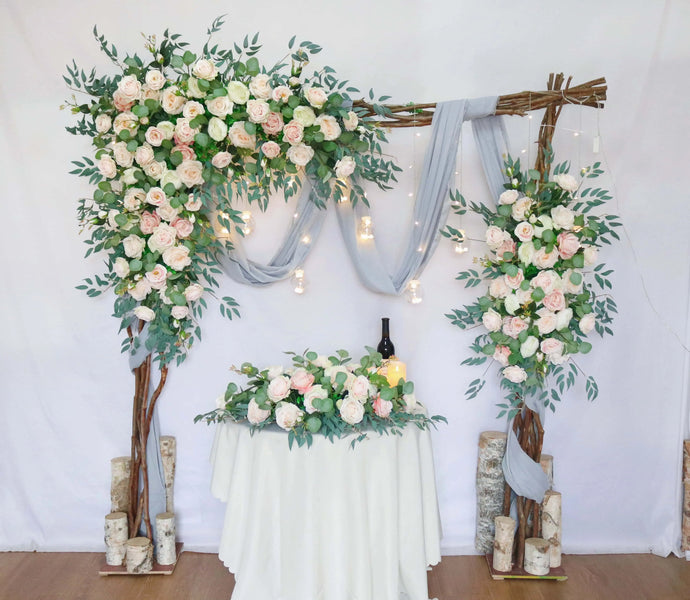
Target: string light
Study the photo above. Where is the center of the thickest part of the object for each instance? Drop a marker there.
(306, 239)
(221, 230)
(366, 228)
(459, 246)
(248, 222)
(298, 283)
(413, 292)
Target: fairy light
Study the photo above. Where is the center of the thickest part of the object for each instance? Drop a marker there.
(306, 239)
(221, 230)
(459, 246)
(366, 228)
(413, 292)
(248, 222)
(298, 282)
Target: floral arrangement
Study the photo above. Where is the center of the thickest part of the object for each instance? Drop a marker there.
(541, 303)
(328, 395)
(177, 136)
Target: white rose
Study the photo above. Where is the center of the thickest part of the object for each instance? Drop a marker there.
(591, 254)
(190, 172)
(141, 289)
(177, 257)
(204, 69)
(492, 320)
(526, 252)
(317, 97)
(322, 362)
(217, 129)
(123, 157)
(133, 245)
(121, 267)
(524, 231)
(566, 182)
(179, 312)
(107, 166)
(520, 208)
(220, 106)
(316, 391)
(162, 238)
(193, 292)
(133, 198)
(495, 236)
(281, 93)
(351, 121)
(351, 411)
(256, 415)
(587, 323)
(515, 374)
(359, 388)
(192, 109)
(193, 89)
(511, 303)
(275, 371)
(304, 115)
(508, 197)
(155, 79)
(260, 86)
(171, 177)
(129, 87)
(529, 346)
(562, 217)
(144, 155)
(541, 224)
(237, 92)
(345, 167)
(498, 288)
(332, 372)
(410, 403)
(168, 129)
(144, 313)
(279, 388)
(172, 101)
(103, 123)
(563, 318)
(568, 286)
(288, 415)
(329, 127)
(257, 110)
(300, 154)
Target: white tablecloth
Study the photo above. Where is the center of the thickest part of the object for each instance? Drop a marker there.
(328, 522)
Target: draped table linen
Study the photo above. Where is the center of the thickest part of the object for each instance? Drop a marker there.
(328, 522)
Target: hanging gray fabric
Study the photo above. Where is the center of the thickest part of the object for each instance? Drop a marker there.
(292, 253)
(492, 142)
(433, 199)
(154, 462)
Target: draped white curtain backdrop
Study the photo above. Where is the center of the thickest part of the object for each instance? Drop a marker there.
(65, 390)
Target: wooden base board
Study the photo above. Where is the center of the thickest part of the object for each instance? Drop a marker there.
(106, 569)
(555, 574)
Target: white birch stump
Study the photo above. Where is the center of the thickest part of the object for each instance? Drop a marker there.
(547, 466)
(168, 446)
(116, 535)
(119, 484)
(139, 555)
(551, 525)
(503, 543)
(165, 539)
(536, 556)
(490, 487)
(685, 532)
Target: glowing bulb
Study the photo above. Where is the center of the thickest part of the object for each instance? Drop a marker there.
(576, 134)
(366, 228)
(524, 150)
(419, 135)
(413, 292)
(247, 222)
(306, 239)
(221, 230)
(410, 195)
(295, 215)
(416, 223)
(529, 117)
(297, 281)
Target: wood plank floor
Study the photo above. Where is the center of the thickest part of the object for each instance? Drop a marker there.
(74, 576)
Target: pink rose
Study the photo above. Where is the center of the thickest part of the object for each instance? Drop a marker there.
(129, 87)
(382, 408)
(498, 288)
(256, 415)
(301, 380)
(221, 160)
(514, 326)
(554, 301)
(144, 155)
(568, 245)
(157, 277)
(293, 132)
(551, 346)
(156, 196)
(278, 389)
(508, 245)
(547, 321)
(273, 123)
(270, 149)
(502, 355)
(239, 137)
(107, 166)
(524, 231)
(121, 101)
(495, 237)
(162, 238)
(359, 388)
(154, 136)
(515, 281)
(184, 132)
(257, 110)
(184, 227)
(186, 151)
(149, 222)
(515, 374)
(544, 260)
(546, 280)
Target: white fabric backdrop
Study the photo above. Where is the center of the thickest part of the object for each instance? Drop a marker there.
(65, 391)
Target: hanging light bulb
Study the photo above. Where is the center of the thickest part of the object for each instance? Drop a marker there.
(221, 231)
(366, 228)
(306, 239)
(343, 186)
(413, 292)
(460, 246)
(248, 222)
(298, 283)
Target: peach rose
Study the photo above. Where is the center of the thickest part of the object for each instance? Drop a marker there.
(515, 374)
(144, 313)
(281, 93)
(155, 79)
(508, 245)
(187, 152)
(183, 227)
(190, 172)
(551, 346)
(273, 124)
(144, 155)
(172, 101)
(544, 260)
(179, 312)
(162, 238)
(257, 110)
(359, 388)
(495, 236)
(239, 137)
(587, 323)
(141, 289)
(107, 166)
(300, 154)
(256, 415)
(329, 127)
(288, 415)
(156, 196)
(554, 301)
(524, 231)
(129, 87)
(317, 97)
(184, 132)
(193, 292)
(382, 408)
(345, 167)
(221, 160)
(520, 208)
(219, 106)
(103, 123)
(157, 277)
(121, 101)
(155, 169)
(126, 120)
(492, 320)
(148, 222)
(568, 245)
(547, 281)
(155, 136)
(270, 149)
(177, 257)
(293, 132)
(498, 288)
(514, 326)
(313, 393)
(133, 198)
(351, 121)
(167, 212)
(192, 109)
(133, 246)
(204, 69)
(508, 197)
(515, 281)
(260, 86)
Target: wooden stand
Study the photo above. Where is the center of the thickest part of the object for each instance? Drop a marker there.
(551, 525)
(119, 483)
(156, 570)
(490, 487)
(139, 557)
(165, 538)
(116, 536)
(555, 574)
(503, 544)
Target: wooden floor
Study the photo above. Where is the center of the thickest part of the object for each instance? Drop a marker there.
(74, 576)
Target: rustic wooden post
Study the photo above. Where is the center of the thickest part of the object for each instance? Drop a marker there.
(490, 486)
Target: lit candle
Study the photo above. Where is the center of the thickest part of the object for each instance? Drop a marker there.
(396, 371)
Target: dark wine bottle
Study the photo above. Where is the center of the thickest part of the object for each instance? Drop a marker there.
(385, 346)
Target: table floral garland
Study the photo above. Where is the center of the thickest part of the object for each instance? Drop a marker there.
(328, 395)
(539, 307)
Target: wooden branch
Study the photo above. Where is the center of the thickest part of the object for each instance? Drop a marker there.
(591, 93)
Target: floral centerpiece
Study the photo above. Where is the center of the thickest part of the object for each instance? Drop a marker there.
(547, 289)
(329, 395)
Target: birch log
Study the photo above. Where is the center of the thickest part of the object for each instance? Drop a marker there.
(115, 538)
(119, 483)
(490, 487)
(551, 525)
(165, 539)
(139, 555)
(685, 535)
(546, 462)
(503, 543)
(537, 556)
(168, 455)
